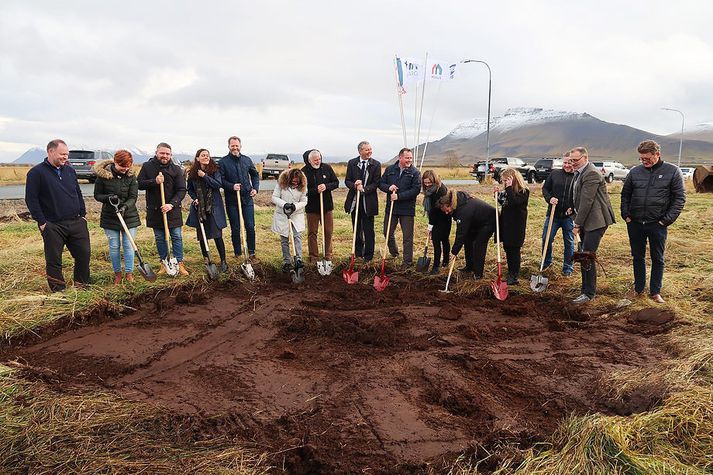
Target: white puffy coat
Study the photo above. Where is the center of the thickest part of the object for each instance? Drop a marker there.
(280, 196)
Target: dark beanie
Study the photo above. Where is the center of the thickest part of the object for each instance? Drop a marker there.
(305, 156)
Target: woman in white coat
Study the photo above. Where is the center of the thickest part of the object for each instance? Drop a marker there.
(290, 192)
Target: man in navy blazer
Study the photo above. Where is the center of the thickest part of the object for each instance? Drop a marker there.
(364, 175)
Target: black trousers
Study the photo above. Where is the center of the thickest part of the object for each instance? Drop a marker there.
(512, 254)
(74, 234)
(219, 244)
(476, 247)
(440, 237)
(590, 242)
(365, 236)
(656, 235)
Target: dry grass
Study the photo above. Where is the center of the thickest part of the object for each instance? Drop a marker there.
(13, 174)
(674, 438)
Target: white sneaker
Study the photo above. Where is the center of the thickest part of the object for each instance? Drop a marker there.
(581, 299)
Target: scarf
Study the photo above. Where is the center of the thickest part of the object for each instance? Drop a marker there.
(428, 192)
(204, 194)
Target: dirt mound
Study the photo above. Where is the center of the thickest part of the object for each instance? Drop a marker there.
(329, 378)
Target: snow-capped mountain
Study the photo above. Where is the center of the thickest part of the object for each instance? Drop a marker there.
(702, 131)
(512, 119)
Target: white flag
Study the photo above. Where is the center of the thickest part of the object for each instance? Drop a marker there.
(441, 70)
(408, 71)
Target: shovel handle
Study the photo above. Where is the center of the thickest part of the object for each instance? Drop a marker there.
(388, 229)
(165, 218)
(243, 238)
(450, 271)
(547, 237)
(497, 226)
(356, 222)
(321, 221)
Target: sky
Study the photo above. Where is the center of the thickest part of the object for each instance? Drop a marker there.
(286, 76)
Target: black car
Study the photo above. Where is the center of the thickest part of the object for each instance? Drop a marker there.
(544, 166)
(499, 163)
(83, 162)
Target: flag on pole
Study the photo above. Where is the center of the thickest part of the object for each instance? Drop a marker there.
(409, 71)
(441, 70)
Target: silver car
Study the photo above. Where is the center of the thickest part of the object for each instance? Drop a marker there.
(612, 170)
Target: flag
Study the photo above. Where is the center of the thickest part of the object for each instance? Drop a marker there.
(408, 71)
(441, 70)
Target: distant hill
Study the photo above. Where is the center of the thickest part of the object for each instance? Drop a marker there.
(702, 132)
(534, 132)
(32, 156)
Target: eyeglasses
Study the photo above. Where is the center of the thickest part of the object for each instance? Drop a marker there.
(572, 158)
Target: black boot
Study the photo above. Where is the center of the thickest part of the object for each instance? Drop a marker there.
(436, 270)
(223, 266)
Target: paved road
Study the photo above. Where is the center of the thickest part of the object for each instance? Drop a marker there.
(15, 192)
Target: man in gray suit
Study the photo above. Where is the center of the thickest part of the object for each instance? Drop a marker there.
(593, 214)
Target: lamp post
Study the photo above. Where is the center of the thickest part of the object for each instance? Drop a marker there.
(487, 133)
(680, 144)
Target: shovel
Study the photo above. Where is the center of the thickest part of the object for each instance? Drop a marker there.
(424, 261)
(382, 280)
(144, 269)
(170, 263)
(297, 270)
(499, 287)
(245, 267)
(211, 268)
(350, 275)
(450, 272)
(538, 283)
(324, 267)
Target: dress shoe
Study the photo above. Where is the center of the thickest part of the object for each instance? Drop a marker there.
(435, 271)
(129, 277)
(657, 298)
(465, 269)
(581, 299)
(182, 269)
(512, 280)
(117, 278)
(223, 266)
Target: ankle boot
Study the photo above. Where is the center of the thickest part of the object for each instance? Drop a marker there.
(117, 278)
(223, 266)
(182, 269)
(129, 277)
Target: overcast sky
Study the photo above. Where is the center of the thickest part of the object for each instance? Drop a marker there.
(288, 75)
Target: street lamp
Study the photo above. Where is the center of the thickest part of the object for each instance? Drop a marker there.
(487, 133)
(680, 144)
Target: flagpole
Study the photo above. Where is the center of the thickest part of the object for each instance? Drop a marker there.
(420, 114)
(487, 133)
(430, 126)
(399, 93)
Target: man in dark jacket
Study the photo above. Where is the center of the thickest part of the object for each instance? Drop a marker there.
(475, 225)
(240, 176)
(402, 183)
(651, 199)
(55, 201)
(321, 180)
(557, 192)
(593, 215)
(161, 169)
(363, 174)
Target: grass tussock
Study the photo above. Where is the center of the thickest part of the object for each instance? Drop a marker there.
(45, 431)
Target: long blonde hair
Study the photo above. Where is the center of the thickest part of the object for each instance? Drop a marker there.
(518, 184)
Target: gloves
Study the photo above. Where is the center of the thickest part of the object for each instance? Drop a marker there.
(289, 208)
(122, 209)
(430, 228)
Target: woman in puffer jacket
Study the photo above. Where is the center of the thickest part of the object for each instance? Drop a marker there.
(116, 183)
(290, 195)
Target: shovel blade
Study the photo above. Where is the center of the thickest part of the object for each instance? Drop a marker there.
(350, 276)
(324, 267)
(500, 289)
(212, 270)
(381, 282)
(423, 263)
(248, 270)
(297, 275)
(146, 272)
(171, 266)
(538, 283)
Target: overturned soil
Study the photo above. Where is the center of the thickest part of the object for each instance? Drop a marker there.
(327, 377)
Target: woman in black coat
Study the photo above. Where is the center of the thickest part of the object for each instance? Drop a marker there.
(439, 223)
(476, 224)
(204, 182)
(513, 219)
(116, 182)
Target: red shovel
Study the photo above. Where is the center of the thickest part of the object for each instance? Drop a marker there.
(382, 280)
(500, 288)
(350, 275)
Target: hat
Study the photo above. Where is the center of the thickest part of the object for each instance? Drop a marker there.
(305, 155)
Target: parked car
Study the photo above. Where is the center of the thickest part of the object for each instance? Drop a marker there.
(687, 172)
(498, 163)
(544, 166)
(274, 164)
(612, 170)
(83, 162)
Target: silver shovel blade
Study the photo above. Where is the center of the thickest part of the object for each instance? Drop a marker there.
(248, 270)
(171, 266)
(538, 283)
(298, 275)
(213, 272)
(324, 267)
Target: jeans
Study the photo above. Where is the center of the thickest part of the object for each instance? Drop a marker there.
(176, 243)
(566, 224)
(116, 237)
(285, 244)
(406, 223)
(75, 235)
(249, 218)
(590, 242)
(656, 235)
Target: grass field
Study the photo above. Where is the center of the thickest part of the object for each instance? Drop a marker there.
(46, 431)
(13, 174)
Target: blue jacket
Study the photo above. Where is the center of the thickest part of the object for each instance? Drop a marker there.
(240, 169)
(218, 210)
(52, 198)
(409, 183)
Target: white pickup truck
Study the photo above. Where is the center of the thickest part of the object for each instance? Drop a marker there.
(274, 164)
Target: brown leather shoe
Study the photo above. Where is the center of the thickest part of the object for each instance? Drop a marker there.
(117, 278)
(182, 269)
(129, 277)
(161, 269)
(657, 298)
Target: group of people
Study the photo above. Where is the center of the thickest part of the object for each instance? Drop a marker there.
(652, 198)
